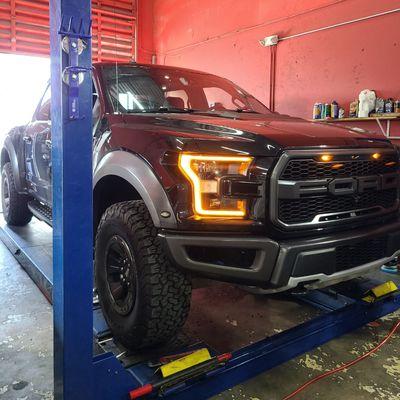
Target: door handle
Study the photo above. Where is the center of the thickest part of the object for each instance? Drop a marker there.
(48, 143)
(44, 131)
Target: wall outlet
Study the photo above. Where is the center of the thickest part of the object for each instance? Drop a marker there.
(269, 41)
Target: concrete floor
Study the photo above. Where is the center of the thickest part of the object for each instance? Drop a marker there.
(26, 343)
(26, 370)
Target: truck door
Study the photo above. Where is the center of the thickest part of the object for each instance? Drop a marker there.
(37, 143)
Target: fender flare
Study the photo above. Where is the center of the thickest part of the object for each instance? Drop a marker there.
(9, 146)
(140, 175)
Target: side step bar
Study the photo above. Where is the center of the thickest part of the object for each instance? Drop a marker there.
(41, 211)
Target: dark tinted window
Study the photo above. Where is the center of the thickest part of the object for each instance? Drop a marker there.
(43, 111)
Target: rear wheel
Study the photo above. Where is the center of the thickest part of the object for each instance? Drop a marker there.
(144, 297)
(15, 205)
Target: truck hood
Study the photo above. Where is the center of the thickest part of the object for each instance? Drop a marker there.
(254, 131)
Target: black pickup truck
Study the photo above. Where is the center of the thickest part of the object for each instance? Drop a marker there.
(192, 176)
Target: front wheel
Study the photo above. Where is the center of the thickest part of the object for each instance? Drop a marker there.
(144, 297)
(15, 205)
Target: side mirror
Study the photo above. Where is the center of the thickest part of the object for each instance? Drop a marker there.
(44, 114)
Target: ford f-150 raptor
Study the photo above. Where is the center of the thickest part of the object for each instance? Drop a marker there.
(192, 176)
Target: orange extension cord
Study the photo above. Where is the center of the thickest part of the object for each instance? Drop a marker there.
(349, 364)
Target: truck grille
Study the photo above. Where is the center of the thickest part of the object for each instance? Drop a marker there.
(300, 169)
(359, 254)
(307, 192)
(304, 210)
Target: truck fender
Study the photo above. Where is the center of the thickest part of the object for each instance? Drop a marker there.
(140, 175)
(9, 146)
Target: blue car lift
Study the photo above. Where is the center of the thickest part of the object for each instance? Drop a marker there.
(340, 308)
(78, 373)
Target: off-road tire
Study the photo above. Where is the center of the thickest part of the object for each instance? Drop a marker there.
(15, 205)
(163, 292)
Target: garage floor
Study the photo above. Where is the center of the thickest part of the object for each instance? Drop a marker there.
(239, 318)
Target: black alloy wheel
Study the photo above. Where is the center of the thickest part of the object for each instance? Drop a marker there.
(121, 276)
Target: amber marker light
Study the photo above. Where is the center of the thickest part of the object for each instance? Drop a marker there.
(337, 166)
(199, 186)
(326, 157)
(376, 156)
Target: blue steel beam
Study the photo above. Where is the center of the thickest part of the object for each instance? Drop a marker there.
(114, 382)
(266, 354)
(72, 212)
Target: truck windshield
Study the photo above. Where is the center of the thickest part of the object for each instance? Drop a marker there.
(145, 89)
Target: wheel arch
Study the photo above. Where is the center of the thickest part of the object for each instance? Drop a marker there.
(5, 157)
(8, 154)
(122, 176)
(109, 190)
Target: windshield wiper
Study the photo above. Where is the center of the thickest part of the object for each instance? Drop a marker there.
(241, 110)
(223, 113)
(217, 113)
(161, 110)
(176, 110)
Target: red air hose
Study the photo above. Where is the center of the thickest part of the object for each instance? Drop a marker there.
(349, 364)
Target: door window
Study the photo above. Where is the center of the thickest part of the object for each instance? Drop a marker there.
(218, 99)
(177, 99)
(43, 111)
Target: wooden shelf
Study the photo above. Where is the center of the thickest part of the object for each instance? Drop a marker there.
(387, 118)
(373, 117)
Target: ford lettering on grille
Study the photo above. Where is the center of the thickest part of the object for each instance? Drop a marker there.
(337, 187)
(306, 192)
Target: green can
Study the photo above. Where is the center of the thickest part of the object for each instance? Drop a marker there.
(327, 111)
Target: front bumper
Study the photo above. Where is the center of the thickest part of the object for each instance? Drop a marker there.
(283, 265)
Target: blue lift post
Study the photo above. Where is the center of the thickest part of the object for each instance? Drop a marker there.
(71, 115)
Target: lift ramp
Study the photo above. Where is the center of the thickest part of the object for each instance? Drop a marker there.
(235, 322)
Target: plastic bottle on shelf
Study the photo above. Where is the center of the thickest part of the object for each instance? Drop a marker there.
(334, 109)
(397, 107)
(317, 111)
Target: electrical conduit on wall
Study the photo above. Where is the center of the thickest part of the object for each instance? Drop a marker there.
(298, 35)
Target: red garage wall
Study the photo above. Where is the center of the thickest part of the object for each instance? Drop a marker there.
(145, 35)
(223, 36)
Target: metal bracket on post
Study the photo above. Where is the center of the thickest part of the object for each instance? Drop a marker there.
(73, 43)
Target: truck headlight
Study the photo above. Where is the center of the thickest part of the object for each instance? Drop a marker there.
(205, 173)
